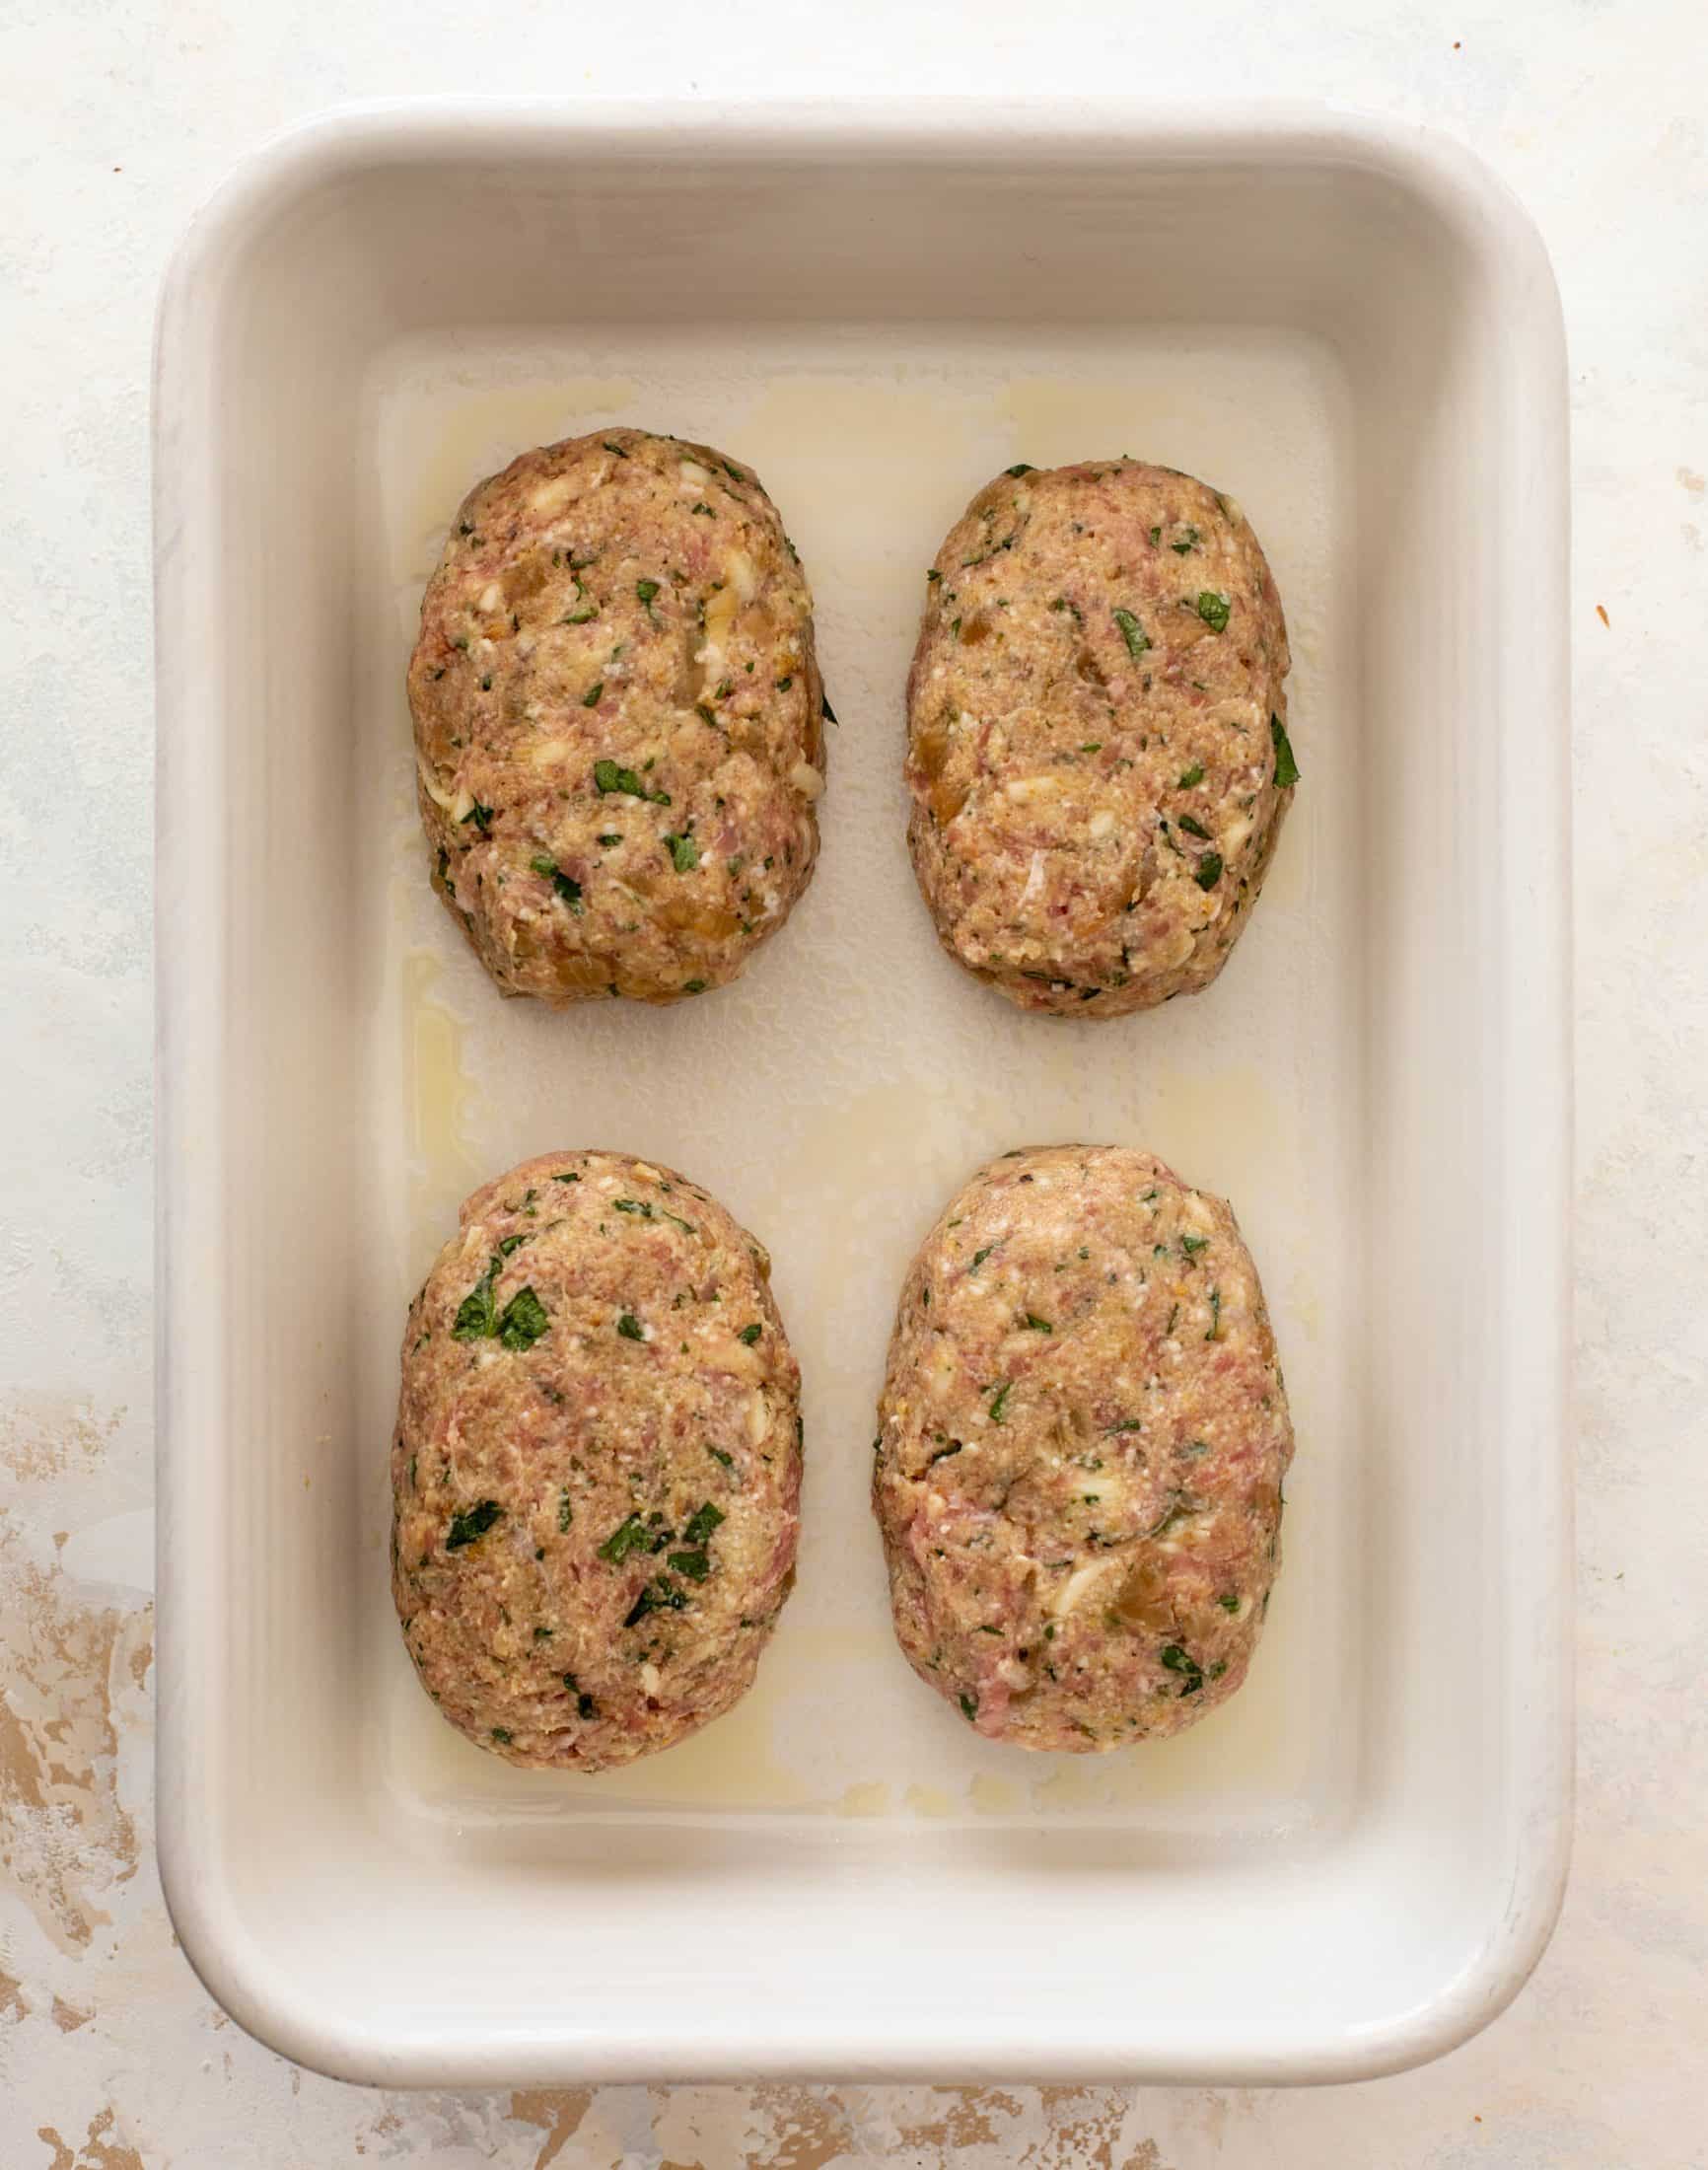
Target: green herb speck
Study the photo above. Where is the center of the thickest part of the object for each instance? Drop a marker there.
(475, 1521)
(631, 1535)
(1178, 1661)
(1213, 608)
(701, 1523)
(1133, 633)
(568, 890)
(607, 777)
(1286, 768)
(524, 1321)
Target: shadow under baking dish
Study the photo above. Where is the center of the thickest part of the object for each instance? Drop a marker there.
(1355, 1859)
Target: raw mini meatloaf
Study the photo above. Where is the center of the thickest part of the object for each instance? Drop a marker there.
(596, 1473)
(619, 740)
(1082, 1440)
(1096, 753)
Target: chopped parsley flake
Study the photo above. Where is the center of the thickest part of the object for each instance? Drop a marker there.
(1286, 768)
(1213, 608)
(1209, 870)
(629, 1327)
(1133, 633)
(524, 1321)
(476, 1314)
(475, 1521)
(1038, 1325)
(662, 1596)
(631, 1535)
(1192, 775)
(646, 1210)
(568, 890)
(1178, 1661)
(999, 1401)
(609, 777)
(684, 854)
(701, 1523)
(750, 1334)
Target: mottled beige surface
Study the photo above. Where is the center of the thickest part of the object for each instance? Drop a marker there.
(123, 119)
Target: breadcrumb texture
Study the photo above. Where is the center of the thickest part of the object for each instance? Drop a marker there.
(1082, 1440)
(1096, 729)
(596, 1473)
(618, 735)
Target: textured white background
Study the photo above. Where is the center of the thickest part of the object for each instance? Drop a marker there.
(120, 118)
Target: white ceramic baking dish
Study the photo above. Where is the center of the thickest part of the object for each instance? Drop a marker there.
(1353, 328)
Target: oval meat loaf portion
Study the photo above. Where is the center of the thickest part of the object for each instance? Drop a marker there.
(596, 1469)
(1082, 1440)
(1096, 752)
(618, 720)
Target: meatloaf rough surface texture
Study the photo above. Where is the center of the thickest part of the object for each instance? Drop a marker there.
(1097, 755)
(618, 720)
(1082, 1440)
(596, 1473)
